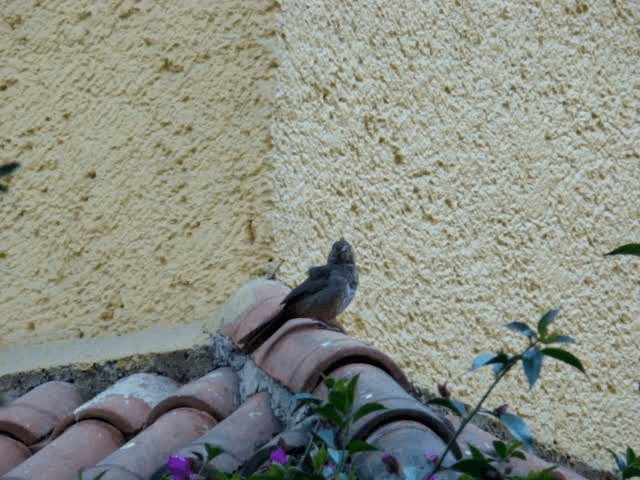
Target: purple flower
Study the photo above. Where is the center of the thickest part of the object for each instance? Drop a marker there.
(328, 470)
(432, 457)
(180, 468)
(431, 476)
(391, 463)
(278, 456)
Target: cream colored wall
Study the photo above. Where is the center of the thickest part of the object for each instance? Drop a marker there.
(481, 156)
(143, 131)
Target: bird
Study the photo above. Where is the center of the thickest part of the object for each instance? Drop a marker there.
(327, 292)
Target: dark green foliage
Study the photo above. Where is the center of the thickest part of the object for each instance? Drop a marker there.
(545, 321)
(629, 466)
(366, 409)
(628, 249)
(6, 170)
(505, 451)
(564, 356)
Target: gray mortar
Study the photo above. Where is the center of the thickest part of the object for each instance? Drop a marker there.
(254, 380)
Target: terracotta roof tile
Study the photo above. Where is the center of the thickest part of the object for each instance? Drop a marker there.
(293, 442)
(33, 416)
(250, 307)
(81, 445)
(216, 393)
(144, 453)
(406, 440)
(240, 434)
(48, 434)
(13, 451)
(375, 385)
(301, 350)
(126, 404)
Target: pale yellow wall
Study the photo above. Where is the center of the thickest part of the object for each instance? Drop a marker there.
(481, 156)
(143, 130)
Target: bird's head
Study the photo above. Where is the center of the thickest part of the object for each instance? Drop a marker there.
(341, 253)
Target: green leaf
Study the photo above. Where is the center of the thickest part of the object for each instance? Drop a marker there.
(456, 407)
(212, 451)
(628, 249)
(522, 328)
(564, 356)
(351, 390)
(338, 399)
(477, 454)
(329, 412)
(532, 364)
(356, 446)
(320, 459)
(620, 463)
(3, 188)
(517, 427)
(518, 454)
(545, 474)
(501, 449)
(329, 382)
(557, 338)
(100, 475)
(631, 456)
(545, 321)
(366, 409)
(631, 471)
(8, 168)
(513, 446)
(473, 467)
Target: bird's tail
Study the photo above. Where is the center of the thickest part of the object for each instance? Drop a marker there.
(256, 338)
(261, 334)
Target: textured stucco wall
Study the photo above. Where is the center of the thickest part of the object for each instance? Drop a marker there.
(481, 156)
(143, 131)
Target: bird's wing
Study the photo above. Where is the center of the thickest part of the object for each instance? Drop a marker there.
(308, 287)
(318, 272)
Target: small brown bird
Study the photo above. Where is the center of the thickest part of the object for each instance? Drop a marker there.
(326, 293)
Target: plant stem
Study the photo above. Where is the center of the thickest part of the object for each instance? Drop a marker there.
(308, 447)
(467, 419)
(343, 440)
